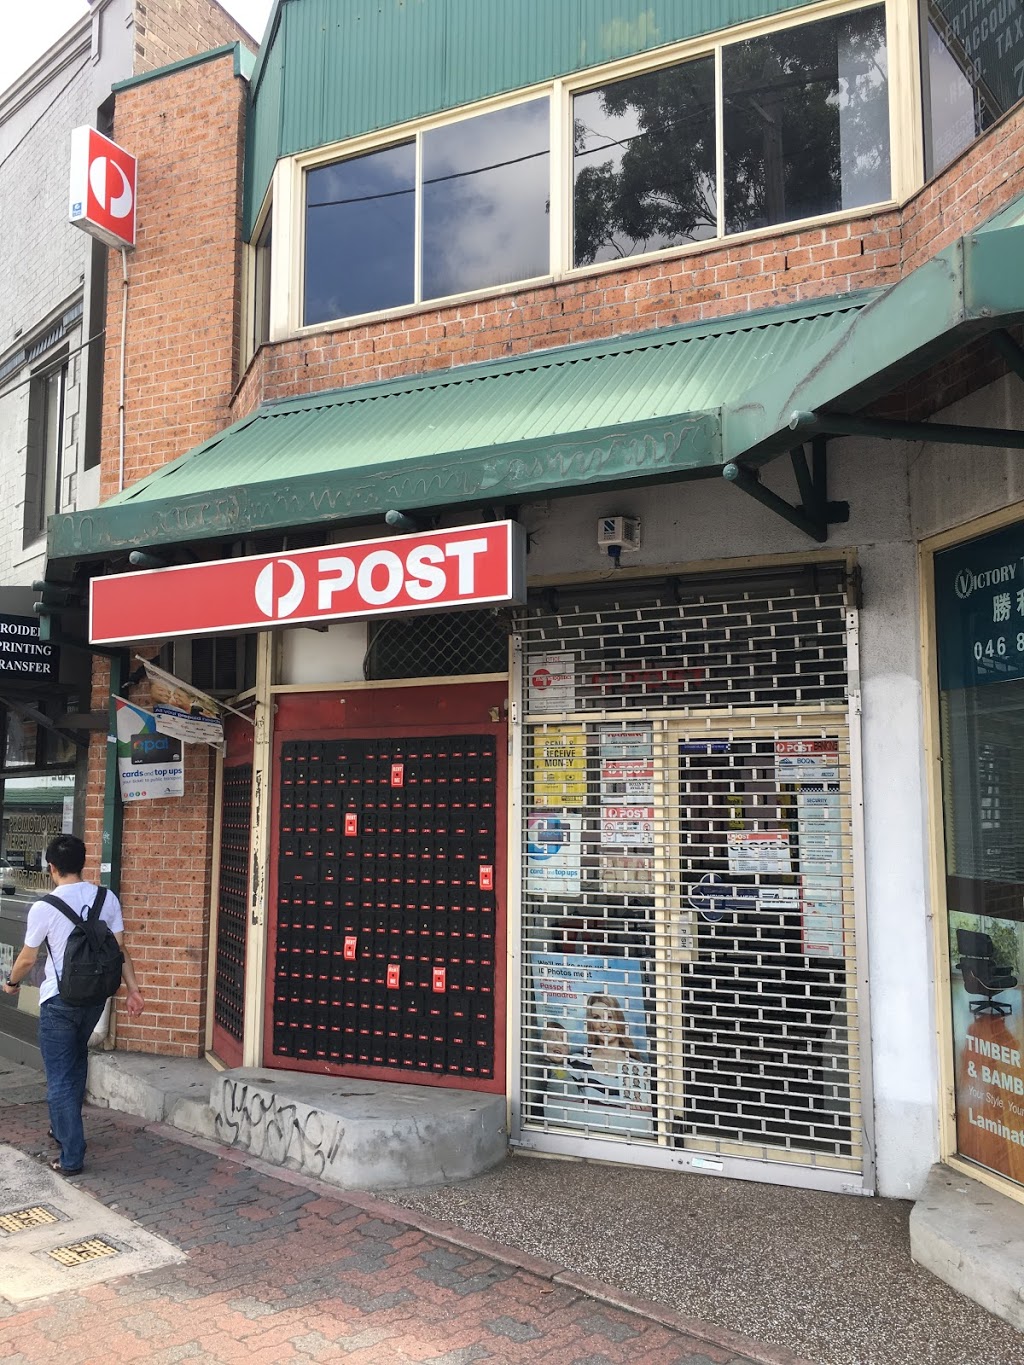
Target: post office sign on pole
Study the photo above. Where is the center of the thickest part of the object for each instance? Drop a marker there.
(102, 190)
(468, 566)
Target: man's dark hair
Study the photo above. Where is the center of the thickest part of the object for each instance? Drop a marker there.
(66, 853)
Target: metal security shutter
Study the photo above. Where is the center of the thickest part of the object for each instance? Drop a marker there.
(689, 983)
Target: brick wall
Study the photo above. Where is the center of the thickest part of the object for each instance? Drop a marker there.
(182, 337)
(183, 277)
(166, 30)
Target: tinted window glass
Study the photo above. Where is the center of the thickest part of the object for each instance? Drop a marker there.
(806, 121)
(360, 234)
(485, 200)
(644, 163)
(972, 61)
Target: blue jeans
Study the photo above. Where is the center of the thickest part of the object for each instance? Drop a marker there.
(64, 1032)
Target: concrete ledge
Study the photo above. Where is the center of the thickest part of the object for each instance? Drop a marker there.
(158, 1089)
(973, 1238)
(359, 1134)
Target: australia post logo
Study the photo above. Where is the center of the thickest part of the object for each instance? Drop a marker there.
(102, 188)
(463, 567)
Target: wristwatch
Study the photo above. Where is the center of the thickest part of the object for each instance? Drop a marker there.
(14, 985)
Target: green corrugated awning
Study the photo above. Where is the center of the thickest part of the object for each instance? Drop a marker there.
(644, 408)
(680, 403)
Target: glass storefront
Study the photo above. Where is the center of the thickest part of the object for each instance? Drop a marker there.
(979, 593)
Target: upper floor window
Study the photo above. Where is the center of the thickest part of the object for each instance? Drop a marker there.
(789, 125)
(44, 464)
(973, 62)
(459, 207)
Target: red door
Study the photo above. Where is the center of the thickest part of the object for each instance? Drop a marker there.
(233, 893)
(387, 918)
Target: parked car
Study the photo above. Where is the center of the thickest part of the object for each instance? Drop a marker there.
(7, 883)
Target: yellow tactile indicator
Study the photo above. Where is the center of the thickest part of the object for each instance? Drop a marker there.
(23, 1219)
(78, 1253)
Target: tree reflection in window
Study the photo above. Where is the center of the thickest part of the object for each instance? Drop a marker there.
(644, 163)
(806, 121)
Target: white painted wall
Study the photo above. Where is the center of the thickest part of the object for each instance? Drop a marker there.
(316, 657)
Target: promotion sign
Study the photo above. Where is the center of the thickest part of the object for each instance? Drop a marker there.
(149, 764)
(23, 656)
(102, 191)
(182, 710)
(470, 566)
(560, 767)
(988, 1038)
(554, 849)
(592, 1053)
(814, 761)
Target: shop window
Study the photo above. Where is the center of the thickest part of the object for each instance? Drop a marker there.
(644, 163)
(486, 182)
(971, 57)
(44, 448)
(806, 121)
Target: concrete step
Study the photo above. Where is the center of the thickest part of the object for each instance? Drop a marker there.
(973, 1238)
(356, 1134)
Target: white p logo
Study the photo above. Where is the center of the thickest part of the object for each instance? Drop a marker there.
(273, 599)
(104, 177)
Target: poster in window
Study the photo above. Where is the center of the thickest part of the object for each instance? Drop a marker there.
(592, 1057)
(759, 850)
(560, 766)
(554, 853)
(986, 961)
(550, 683)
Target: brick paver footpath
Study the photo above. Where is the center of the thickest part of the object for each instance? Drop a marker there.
(281, 1268)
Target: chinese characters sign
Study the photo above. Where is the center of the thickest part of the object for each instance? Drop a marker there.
(979, 604)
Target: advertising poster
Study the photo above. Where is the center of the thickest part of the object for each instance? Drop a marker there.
(759, 850)
(627, 826)
(550, 683)
(149, 763)
(182, 710)
(554, 849)
(988, 1039)
(807, 760)
(594, 1063)
(627, 874)
(560, 767)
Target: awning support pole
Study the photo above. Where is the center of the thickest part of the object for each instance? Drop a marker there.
(841, 424)
(750, 482)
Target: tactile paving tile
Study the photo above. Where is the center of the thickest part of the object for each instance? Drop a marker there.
(20, 1220)
(78, 1253)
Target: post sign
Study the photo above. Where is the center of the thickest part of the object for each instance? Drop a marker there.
(979, 609)
(469, 566)
(23, 656)
(102, 191)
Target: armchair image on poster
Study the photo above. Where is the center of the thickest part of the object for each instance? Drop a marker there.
(591, 1034)
(987, 975)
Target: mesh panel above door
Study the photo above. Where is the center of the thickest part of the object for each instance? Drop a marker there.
(689, 955)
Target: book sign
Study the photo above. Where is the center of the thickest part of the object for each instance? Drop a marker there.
(807, 760)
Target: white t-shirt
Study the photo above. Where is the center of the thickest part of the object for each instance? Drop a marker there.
(45, 922)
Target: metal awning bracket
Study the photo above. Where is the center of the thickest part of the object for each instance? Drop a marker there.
(814, 514)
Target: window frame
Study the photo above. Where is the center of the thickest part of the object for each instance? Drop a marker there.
(42, 501)
(287, 189)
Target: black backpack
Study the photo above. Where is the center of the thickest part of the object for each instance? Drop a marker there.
(92, 957)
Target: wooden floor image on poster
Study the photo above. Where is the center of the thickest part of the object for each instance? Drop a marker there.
(386, 905)
(988, 1033)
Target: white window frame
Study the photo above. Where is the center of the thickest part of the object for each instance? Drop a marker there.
(288, 184)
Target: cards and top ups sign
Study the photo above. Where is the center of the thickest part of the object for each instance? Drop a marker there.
(102, 189)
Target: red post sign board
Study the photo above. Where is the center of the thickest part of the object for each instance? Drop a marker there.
(395, 575)
(102, 191)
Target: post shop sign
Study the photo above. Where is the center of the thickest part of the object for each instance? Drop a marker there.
(102, 189)
(469, 566)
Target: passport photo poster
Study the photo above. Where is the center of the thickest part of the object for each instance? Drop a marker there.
(149, 763)
(988, 1038)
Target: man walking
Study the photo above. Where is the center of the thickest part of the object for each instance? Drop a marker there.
(65, 1029)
